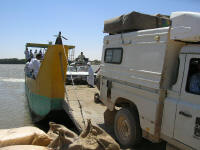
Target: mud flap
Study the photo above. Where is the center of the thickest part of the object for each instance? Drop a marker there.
(109, 117)
(109, 86)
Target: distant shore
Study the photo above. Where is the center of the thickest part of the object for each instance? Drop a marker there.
(22, 61)
(12, 61)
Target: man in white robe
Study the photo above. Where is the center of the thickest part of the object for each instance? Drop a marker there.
(35, 65)
(27, 54)
(90, 77)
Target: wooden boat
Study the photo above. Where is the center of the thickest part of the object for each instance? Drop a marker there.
(46, 93)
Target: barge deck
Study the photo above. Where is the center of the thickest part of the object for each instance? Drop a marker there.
(80, 106)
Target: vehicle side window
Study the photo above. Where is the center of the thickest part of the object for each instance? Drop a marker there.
(113, 55)
(193, 79)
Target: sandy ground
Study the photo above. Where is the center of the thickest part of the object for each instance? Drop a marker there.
(81, 95)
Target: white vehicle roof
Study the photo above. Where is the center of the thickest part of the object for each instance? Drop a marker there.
(185, 26)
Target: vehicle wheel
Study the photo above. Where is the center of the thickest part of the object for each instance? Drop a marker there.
(127, 128)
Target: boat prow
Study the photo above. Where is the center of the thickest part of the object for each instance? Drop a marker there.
(46, 93)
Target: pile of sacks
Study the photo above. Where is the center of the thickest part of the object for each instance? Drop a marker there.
(58, 138)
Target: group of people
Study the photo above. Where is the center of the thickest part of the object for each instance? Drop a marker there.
(30, 54)
(32, 63)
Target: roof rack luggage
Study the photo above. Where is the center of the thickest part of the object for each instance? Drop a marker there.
(135, 21)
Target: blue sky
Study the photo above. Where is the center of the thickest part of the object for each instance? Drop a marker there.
(81, 21)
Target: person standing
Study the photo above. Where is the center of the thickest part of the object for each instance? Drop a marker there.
(31, 54)
(27, 68)
(81, 58)
(35, 65)
(27, 54)
(40, 52)
(98, 78)
(90, 77)
(35, 53)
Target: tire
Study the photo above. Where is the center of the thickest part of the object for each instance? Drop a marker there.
(127, 128)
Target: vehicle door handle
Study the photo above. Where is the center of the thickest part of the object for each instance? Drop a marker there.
(185, 114)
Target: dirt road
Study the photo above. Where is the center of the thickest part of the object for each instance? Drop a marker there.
(82, 96)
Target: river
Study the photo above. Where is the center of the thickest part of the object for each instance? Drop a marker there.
(14, 111)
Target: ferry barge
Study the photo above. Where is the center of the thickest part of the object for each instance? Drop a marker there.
(46, 92)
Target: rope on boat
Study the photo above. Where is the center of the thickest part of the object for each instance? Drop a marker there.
(80, 106)
(63, 76)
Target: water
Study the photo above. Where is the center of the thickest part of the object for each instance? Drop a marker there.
(14, 111)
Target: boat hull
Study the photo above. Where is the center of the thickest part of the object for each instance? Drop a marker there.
(41, 106)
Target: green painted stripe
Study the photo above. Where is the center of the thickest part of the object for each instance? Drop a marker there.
(42, 105)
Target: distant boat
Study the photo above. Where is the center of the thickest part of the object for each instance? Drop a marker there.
(77, 73)
(47, 92)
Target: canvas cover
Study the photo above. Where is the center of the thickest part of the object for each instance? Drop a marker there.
(23, 136)
(59, 137)
(135, 21)
(92, 138)
(24, 147)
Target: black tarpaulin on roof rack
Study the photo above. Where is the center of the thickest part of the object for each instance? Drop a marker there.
(134, 21)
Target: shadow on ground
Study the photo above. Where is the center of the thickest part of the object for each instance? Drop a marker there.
(59, 117)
